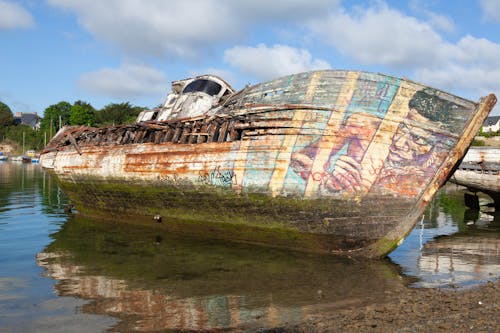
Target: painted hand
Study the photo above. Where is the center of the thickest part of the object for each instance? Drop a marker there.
(346, 176)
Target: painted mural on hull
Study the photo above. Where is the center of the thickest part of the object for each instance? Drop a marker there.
(322, 134)
(372, 152)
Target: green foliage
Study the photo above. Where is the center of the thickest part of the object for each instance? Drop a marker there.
(82, 113)
(32, 139)
(117, 114)
(488, 134)
(477, 142)
(6, 117)
(62, 114)
(55, 116)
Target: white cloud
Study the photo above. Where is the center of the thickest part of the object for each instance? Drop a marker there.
(154, 27)
(13, 16)
(491, 9)
(440, 22)
(478, 52)
(287, 10)
(383, 36)
(473, 67)
(264, 62)
(128, 81)
(185, 29)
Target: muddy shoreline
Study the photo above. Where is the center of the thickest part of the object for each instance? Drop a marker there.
(474, 309)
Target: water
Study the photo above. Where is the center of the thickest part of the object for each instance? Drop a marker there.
(65, 273)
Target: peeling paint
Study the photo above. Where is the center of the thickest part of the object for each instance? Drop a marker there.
(348, 139)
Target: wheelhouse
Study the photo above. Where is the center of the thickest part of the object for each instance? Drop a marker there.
(193, 97)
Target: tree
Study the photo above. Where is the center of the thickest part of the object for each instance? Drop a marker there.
(6, 119)
(52, 115)
(20, 133)
(117, 114)
(82, 113)
(6, 116)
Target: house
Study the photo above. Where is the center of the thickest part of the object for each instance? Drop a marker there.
(491, 124)
(30, 119)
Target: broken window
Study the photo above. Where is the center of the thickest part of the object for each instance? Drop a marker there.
(209, 87)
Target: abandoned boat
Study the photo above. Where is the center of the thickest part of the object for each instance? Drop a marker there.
(480, 172)
(325, 161)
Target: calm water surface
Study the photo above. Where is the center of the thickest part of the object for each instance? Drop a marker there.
(65, 273)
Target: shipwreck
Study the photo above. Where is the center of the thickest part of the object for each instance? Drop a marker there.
(480, 172)
(326, 161)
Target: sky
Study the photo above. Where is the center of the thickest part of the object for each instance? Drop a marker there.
(114, 51)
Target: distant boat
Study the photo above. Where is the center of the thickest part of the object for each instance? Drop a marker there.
(30, 153)
(329, 161)
(22, 158)
(480, 172)
(4, 158)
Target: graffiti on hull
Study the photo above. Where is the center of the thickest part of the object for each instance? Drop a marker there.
(218, 177)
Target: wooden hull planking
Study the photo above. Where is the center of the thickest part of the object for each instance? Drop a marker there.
(351, 158)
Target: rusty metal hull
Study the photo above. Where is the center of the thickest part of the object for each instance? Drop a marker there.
(326, 161)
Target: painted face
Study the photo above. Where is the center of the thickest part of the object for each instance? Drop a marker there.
(410, 143)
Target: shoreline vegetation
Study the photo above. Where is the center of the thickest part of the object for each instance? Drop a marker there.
(492, 141)
(34, 132)
(473, 309)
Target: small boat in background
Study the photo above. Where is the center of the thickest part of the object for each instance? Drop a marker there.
(30, 153)
(22, 158)
(480, 172)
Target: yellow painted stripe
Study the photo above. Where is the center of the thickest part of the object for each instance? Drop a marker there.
(378, 150)
(284, 155)
(240, 165)
(330, 137)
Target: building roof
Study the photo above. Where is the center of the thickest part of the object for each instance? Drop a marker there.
(30, 119)
(490, 121)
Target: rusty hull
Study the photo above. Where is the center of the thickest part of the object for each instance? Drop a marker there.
(326, 161)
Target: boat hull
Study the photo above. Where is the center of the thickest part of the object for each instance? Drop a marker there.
(480, 171)
(321, 225)
(348, 168)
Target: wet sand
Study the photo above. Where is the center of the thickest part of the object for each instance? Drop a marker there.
(415, 310)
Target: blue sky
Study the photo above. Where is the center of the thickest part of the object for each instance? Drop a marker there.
(109, 51)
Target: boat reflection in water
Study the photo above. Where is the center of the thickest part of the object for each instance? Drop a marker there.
(454, 246)
(151, 280)
(465, 257)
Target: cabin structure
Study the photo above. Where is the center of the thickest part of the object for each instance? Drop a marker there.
(190, 98)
